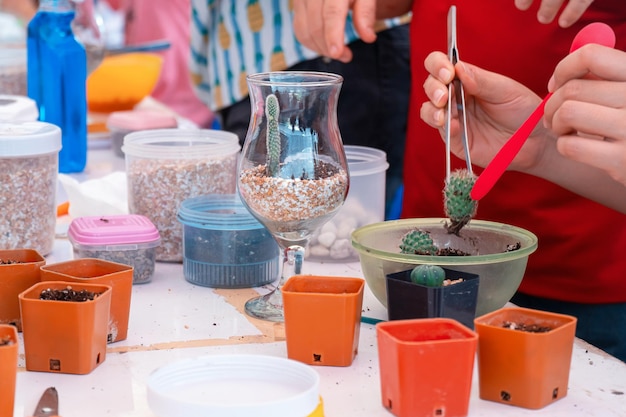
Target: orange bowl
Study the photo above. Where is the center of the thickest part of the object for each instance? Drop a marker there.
(122, 81)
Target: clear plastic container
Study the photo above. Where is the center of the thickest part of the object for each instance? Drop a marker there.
(13, 70)
(127, 239)
(364, 205)
(224, 246)
(164, 167)
(29, 157)
(121, 123)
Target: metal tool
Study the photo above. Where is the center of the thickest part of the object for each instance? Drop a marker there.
(459, 96)
(48, 405)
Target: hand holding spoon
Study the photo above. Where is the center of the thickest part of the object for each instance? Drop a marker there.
(599, 33)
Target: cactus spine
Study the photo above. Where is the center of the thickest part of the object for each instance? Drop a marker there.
(272, 110)
(428, 275)
(418, 242)
(459, 206)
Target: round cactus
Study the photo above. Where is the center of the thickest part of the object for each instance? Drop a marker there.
(428, 275)
(458, 204)
(417, 242)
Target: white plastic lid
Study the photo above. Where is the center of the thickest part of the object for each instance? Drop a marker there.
(234, 386)
(18, 109)
(27, 139)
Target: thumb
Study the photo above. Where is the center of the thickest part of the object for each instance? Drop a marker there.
(486, 85)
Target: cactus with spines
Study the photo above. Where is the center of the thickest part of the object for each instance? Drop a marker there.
(428, 275)
(459, 206)
(272, 111)
(418, 242)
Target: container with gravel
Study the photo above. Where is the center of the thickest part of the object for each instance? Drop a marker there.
(29, 161)
(166, 166)
(128, 239)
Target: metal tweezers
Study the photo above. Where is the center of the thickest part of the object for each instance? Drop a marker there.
(459, 93)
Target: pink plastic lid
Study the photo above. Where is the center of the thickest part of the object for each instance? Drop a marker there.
(112, 230)
(140, 120)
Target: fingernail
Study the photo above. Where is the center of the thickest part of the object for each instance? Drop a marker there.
(551, 84)
(334, 51)
(445, 75)
(438, 117)
(438, 95)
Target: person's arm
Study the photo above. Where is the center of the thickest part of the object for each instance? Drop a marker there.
(320, 24)
(495, 107)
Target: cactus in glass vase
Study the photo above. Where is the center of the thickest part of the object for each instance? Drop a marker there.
(418, 242)
(272, 111)
(459, 206)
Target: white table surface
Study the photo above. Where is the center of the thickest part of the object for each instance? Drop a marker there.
(171, 319)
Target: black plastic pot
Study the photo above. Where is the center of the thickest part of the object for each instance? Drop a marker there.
(407, 300)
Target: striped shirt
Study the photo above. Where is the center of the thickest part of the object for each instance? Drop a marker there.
(233, 38)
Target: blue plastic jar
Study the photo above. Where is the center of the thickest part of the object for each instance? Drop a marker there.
(224, 246)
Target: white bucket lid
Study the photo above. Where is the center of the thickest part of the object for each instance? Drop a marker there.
(234, 386)
(28, 139)
(17, 109)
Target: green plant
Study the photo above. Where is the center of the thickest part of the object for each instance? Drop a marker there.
(459, 206)
(428, 275)
(418, 242)
(272, 111)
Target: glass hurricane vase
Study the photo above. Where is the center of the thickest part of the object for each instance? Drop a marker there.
(293, 173)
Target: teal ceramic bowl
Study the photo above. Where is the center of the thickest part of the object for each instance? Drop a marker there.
(500, 272)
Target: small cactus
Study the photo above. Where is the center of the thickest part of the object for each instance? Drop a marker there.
(459, 206)
(272, 110)
(428, 275)
(418, 242)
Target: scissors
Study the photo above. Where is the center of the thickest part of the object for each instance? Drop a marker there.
(459, 93)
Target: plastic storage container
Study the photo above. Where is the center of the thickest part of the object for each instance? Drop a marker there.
(127, 239)
(164, 167)
(121, 123)
(224, 246)
(364, 205)
(29, 157)
(13, 70)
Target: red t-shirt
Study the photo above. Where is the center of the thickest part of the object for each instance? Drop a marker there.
(581, 243)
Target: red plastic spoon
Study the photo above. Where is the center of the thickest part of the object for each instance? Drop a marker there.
(599, 33)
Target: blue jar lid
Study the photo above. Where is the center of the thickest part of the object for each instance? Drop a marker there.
(217, 212)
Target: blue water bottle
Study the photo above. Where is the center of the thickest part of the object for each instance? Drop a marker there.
(57, 74)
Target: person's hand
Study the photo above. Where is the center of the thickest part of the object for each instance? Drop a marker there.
(320, 24)
(495, 107)
(548, 10)
(588, 108)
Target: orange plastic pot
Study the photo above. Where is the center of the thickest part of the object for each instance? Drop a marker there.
(426, 366)
(65, 336)
(100, 271)
(15, 278)
(322, 318)
(521, 368)
(8, 368)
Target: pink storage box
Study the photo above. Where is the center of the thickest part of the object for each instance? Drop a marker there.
(121, 123)
(129, 239)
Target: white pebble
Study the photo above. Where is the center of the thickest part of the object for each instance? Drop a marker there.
(319, 250)
(326, 239)
(341, 249)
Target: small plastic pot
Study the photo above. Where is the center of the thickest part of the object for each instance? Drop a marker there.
(323, 318)
(408, 300)
(98, 271)
(15, 278)
(65, 336)
(8, 368)
(426, 366)
(523, 368)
